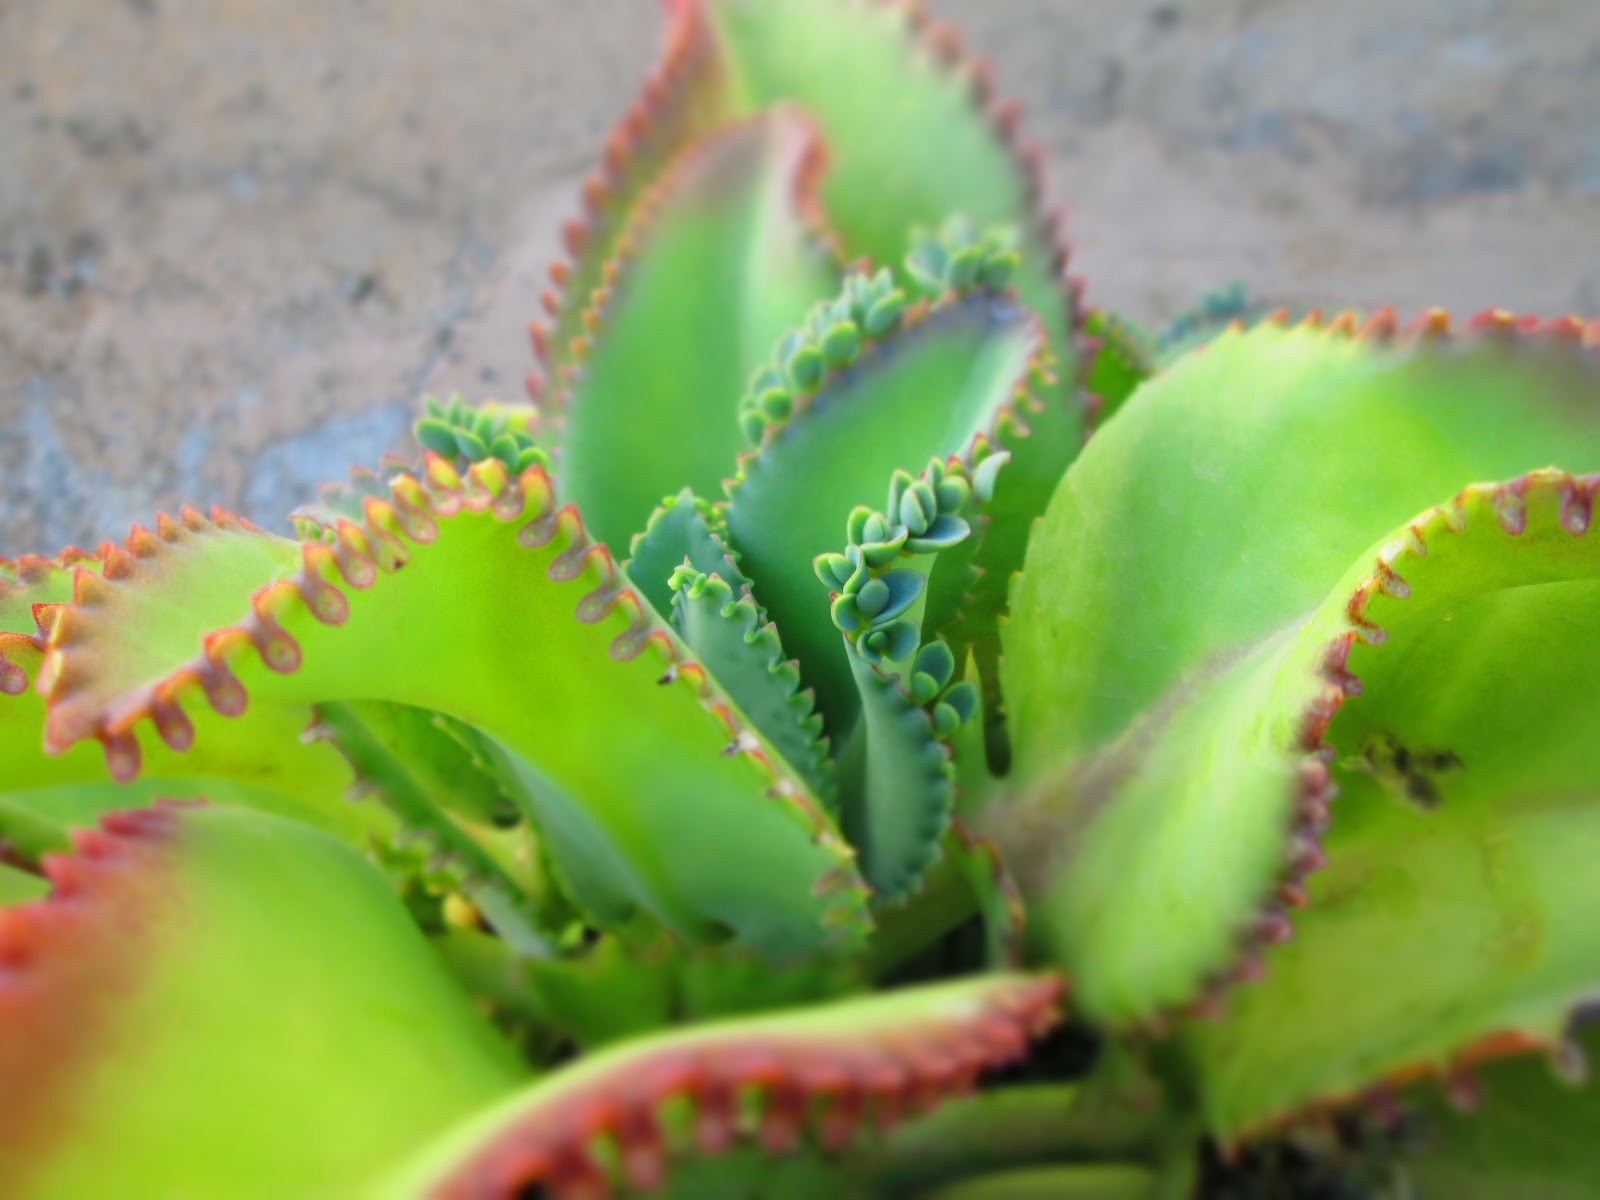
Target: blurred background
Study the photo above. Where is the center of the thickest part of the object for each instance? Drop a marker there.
(240, 238)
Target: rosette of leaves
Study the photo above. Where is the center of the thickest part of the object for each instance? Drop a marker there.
(712, 777)
(437, 850)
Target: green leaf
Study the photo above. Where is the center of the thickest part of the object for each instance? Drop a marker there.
(732, 637)
(1124, 358)
(18, 886)
(1235, 488)
(263, 750)
(169, 932)
(471, 445)
(973, 1140)
(682, 100)
(612, 992)
(1528, 1135)
(1105, 1181)
(479, 598)
(910, 134)
(24, 583)
(741, 648)
(33, 579)
(788, 1079)
(683, 529)
(719, 260)
(933, 146)
(929, 389)
(897, 781)
(421, 772)
(1448, 671)
(960, 256)
(438, 435)
(1213, 314)
(628, 988)
(995, 894)
(1163, 651)
(896, 784)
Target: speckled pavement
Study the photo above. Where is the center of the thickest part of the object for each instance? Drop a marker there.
(239, 239)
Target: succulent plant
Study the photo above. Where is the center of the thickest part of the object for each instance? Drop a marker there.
(790, 757)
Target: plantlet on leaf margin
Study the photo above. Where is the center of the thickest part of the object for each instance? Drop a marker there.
(898, 782)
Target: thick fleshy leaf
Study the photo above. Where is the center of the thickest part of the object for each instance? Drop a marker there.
(1151, 661)
(994, 893)
(1234, 490)
(464, 434)
(808, 1077)
(30, 579)
(46, 816)
(1124, 357)
(748, 1170)
(1527, 1132)
(1134, 551)
(910, 129)
(1218, 311)
(1454, 912)
(1108, 1181)
(451, 762)
(929, 389)
(683, 99)
(17, 885)
(897, 800)
(741, 648)
(613, 991)
(263, 752)
(897, 778)
(973, 1140)
(934, 145)
(169, 1015)
(681, 552)
(724, 255)
(301, 781)
(685, 529)
(25, 582)
(620, 989)
(402, 759)
(481, 599)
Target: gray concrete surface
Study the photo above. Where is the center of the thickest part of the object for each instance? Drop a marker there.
(240, 238)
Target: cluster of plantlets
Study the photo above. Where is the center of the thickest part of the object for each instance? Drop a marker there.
(1139, 816)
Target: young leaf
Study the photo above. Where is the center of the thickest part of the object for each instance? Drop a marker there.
(741, 649)
(683, 529)
(927, 390)
(898, 782)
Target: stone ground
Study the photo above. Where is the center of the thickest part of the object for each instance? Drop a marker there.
(239, 238)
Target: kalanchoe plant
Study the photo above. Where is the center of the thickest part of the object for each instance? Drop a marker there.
(789, 761)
